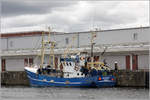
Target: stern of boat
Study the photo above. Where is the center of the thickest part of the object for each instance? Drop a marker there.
(106, 81)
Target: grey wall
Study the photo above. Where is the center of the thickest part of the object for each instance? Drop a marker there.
(83, 39)
(23, 42)
(60, 39)
(3, 43)
(15, 64)
(143, 61)
(122, 36)
(119, 59)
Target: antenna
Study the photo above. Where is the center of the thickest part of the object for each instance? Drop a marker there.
(49, 30)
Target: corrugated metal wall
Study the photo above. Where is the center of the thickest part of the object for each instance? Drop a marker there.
(143, 61)
(14, 64)
(17, 64)
(83, 39)
(112, 59)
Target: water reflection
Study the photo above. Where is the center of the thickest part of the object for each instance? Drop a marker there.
(55, 93)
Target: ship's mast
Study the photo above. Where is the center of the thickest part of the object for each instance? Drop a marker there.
(52, 45)
(49, 43)
(52, 53)
(42, 50)
(93, 34)
(51, 49)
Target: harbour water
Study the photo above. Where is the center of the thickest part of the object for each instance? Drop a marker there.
(55, 93)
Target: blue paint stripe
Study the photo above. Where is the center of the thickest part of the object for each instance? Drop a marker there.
(53, 82)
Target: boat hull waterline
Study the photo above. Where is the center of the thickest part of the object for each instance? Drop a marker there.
(91, 81)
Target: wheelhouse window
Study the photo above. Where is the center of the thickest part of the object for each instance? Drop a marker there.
(67, 63)
(67, 40)
(70, 64)
(135, 36)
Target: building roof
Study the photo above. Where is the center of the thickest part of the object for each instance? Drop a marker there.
(31, 33)
(116, 29)
(21, 34)
(28, 33)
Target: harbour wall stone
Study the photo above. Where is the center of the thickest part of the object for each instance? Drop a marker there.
(127, 78)
(14, 78)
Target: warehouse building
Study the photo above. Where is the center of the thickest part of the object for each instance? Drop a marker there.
(128, 47)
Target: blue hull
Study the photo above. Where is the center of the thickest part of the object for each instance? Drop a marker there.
(43, 80)
(106, 81)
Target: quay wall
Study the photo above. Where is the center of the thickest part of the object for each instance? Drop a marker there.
(137, 78)
(124, 78)
(14, 78)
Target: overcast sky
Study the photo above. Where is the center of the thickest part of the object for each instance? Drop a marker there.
(72, 16)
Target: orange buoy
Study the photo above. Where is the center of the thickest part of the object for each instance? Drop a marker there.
(99, 78)
(112, 79)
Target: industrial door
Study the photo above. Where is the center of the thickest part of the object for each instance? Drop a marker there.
(56, 62)
(134, 62)
(30, 61)
(128, 62)
(3, 62)
(26, 62)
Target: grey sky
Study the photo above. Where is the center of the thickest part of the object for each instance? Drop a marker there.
(26, 7)
(71, 16)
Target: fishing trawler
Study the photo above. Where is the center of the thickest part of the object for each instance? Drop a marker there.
(74, 70)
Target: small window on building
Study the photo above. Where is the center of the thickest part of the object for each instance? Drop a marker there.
(135, 36)
(11, 43)
(67, 40)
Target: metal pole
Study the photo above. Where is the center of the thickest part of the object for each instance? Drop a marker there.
(92, 49)
(53, 54)
(50, 47)
(42, 51)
